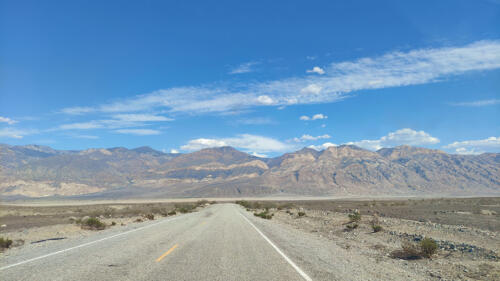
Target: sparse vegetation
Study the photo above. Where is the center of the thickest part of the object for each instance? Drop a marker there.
(5, 243)
(149, 217)
(377, 228)
(355, 216)
(411, 251)
(172, 213)
(264, 215)
(351, 226)
(428, 247)
(113, 223)
(375, 224)
(185, 207)
(301, 214)
(92, 224)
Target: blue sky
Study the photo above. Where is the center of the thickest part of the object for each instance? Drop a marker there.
(266, 77)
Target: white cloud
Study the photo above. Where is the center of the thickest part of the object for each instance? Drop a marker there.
(400, 137)
(77, 110)
(7, 120)
(82, 126)
(119, 121)
(318, 116)
(90, 137)
(258, 155)
(311, 89)
(317, 70)
(14, 133)
(491, 144)
(141, 118)
(311, 57)
(247, 142)
(174, 151)
(394, 69)
(322, 146)
(138, 132)
(244, 68)
(265, 100)
(256, 121)
(478, 103)
(304, 138)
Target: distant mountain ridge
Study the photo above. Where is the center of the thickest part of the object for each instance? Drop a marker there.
(346, 170)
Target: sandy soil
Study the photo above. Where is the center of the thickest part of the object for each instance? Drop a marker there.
(469, 247)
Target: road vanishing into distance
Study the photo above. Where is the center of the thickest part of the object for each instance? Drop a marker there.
(220, 242)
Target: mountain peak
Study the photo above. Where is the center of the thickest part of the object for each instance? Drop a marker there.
(405, 151)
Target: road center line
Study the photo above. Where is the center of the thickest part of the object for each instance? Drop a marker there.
(86, 244)
(300, 271)
(166, 253)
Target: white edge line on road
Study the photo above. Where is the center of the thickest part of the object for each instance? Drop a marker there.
(86, 244)
(300, 271)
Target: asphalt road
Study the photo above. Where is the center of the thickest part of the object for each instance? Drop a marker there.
(220, 242)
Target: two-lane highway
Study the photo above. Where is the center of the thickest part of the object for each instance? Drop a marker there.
(221, 242)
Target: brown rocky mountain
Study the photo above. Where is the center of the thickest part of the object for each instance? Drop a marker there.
(39, 171)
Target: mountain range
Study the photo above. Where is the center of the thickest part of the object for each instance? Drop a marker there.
(346, 170)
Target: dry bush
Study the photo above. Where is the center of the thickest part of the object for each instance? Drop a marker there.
(375, 224)
(264, 215)
(5, 243)
(428, 247)
(92, 224)
(411, 251)
(354, 216)
(408, 251)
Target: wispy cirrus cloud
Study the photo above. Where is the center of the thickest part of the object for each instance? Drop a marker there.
(393, 69)
(247, 142)
(400, 137)
(141, 118)
(477, 103)
(256, 121)
(15, 133)
(244, 68)
(118, 121)
(491, 144)
(7, 120)
(306, 137)
(138, 132)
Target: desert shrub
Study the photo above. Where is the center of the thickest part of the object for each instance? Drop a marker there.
(264, 215)
(354, 216)
(113, 223)
(202, 202)
(172, 213)
(138, 220)
(244, 203)
(351, 226)
(408, 251)
(375, 224)
(301, 214)
(150, 216)
(185, 208)
(5, 243)
(428, 247)
(93, 224)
